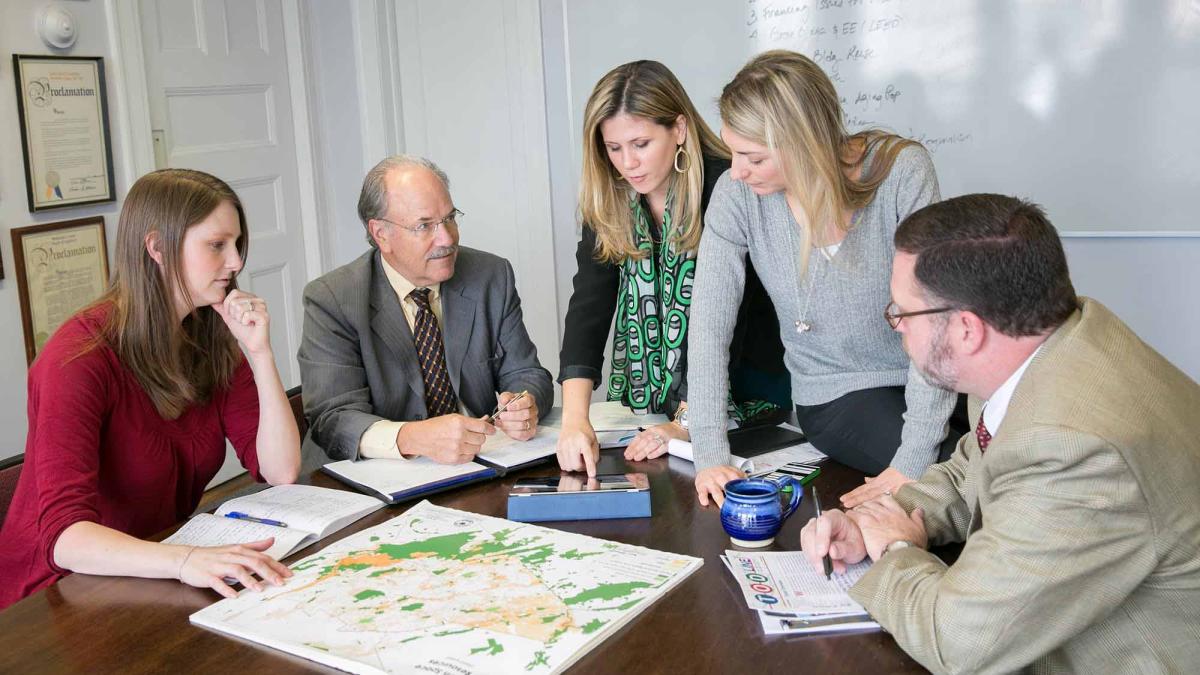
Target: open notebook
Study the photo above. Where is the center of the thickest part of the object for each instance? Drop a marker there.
(308, 512)
(397, 480)
(504, 453)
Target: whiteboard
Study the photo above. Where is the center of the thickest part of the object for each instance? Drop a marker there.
(1088, 107)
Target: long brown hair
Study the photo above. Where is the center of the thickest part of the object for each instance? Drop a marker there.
(178, 364)
(643, 89)
(783, 100)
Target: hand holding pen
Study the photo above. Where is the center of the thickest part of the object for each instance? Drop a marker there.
(516, 415)
(826, 563)
(832, 538)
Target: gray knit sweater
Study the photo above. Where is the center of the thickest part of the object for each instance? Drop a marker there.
(850, 346)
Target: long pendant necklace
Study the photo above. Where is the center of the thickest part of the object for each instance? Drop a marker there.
(804, 325)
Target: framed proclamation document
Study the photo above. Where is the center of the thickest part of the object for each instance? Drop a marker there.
(63, 110)
(61, 267)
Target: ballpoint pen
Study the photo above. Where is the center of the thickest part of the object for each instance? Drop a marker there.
(827, 562)
(238, 515)
(504, 408)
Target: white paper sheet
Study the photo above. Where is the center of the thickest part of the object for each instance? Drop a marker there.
(506, 452)
(774, 623)
(785, 581)
(683, 450)
(614, 416)
(803, 453)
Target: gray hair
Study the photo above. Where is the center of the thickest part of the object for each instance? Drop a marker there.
(372, 201)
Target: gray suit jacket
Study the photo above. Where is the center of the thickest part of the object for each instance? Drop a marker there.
(358, 364)
(1081, 522)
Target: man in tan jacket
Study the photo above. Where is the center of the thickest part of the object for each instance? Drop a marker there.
(1078, 497)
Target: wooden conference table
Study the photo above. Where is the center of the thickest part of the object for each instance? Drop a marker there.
(108, 625)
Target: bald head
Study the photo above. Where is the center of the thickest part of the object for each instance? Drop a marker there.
(372, 200)
(417, 233)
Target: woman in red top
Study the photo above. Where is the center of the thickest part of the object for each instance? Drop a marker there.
(132, 399)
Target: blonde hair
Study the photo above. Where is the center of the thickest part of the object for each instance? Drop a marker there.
(649, 90)
(177, 364)
(783, 100)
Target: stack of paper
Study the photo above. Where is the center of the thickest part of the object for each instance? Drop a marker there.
(792, 597)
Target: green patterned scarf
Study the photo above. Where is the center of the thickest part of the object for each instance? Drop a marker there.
(654, 296)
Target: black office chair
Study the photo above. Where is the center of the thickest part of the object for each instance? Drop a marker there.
(10, 471)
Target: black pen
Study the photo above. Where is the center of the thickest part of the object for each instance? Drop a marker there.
(826, 561)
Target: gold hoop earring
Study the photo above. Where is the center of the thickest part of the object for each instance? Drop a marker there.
(687, 160)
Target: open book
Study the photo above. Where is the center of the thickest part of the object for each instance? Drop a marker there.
(307, 513)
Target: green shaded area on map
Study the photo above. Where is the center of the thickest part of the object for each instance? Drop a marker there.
(606, 592)
(491, 648)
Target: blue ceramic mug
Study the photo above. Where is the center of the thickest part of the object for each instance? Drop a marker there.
(752, 513)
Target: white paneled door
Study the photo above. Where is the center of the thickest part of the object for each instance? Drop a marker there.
(220, 101)
(479, 112)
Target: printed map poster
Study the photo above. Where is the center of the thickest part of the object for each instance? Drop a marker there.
(63, 110)
(61, 267)
(441, 591)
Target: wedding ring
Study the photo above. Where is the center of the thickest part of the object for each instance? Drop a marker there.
(526, 425)
(658, 439)
(887, 493)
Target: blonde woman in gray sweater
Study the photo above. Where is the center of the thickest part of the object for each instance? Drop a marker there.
(815, 208)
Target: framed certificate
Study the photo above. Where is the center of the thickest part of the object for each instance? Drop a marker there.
(63, 110)
(61, 267)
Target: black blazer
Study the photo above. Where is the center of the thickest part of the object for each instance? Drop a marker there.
(593, 302)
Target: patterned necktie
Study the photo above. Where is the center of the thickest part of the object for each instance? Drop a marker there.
(431, 354)
(982, 435)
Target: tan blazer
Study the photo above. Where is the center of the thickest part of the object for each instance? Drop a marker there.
(1082, 522)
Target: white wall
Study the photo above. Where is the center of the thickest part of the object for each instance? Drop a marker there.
(1151, 283)
(17, 37)
(338, 137)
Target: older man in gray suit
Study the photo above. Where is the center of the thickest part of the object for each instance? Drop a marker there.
(1076, 496)
(408, 349)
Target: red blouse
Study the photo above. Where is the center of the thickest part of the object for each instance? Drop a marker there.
(98, 451)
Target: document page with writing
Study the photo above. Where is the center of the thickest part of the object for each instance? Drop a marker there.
(785, 581)
(319, 510)
(208, 530)
(308, 513)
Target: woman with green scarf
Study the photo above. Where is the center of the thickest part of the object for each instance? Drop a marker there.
(649, 165)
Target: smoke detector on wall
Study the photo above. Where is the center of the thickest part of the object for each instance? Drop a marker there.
(56, 26)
